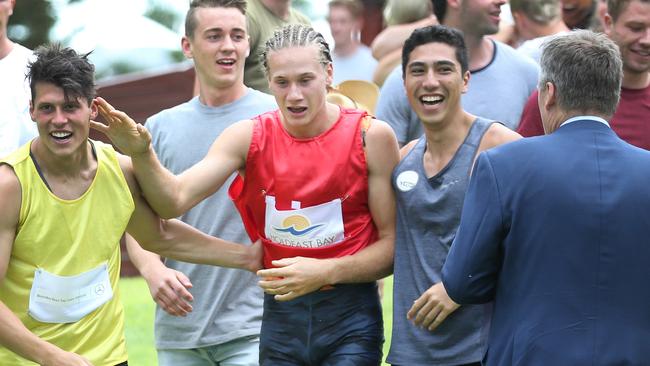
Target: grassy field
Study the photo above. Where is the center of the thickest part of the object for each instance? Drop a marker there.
(139, 310)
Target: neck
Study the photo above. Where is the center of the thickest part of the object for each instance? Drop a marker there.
(445, 138)
(5, 46)
(638, 80)
(480, 51)
(63, 166)
(279, 8)
(542, 30)
(216, 97)
(346, 49)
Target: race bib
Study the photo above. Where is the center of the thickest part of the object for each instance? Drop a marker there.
(67, 299)
(311, 227)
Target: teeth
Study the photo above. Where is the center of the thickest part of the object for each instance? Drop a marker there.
(61, 134)
(226, 62)
(431, 99)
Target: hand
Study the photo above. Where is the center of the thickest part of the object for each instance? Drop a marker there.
(432, 308)
(294, 277)
(129, 137)
(169, 289)
(256, 254)
(63, 358)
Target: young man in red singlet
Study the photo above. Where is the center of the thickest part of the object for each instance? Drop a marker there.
(314, 187)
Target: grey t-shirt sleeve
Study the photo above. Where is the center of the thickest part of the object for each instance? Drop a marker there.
(393, 108)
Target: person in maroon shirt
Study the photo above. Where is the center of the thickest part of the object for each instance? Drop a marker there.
(627, 23)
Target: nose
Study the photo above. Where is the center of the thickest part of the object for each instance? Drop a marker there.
(227, 44)
(430, 80)
(645, 39)
(59, 116)
(294, 93)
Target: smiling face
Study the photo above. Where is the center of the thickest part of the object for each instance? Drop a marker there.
(631, 32)
(574, 12)
(481, 17)
(63, 124)
(298, 80)
(219, 46)
(434, 83)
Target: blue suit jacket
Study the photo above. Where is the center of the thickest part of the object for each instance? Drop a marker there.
(556, 231)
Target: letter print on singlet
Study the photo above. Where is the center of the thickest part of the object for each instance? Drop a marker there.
(310, 227)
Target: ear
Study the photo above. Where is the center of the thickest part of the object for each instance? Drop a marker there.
(549, 96)
(31, 109)
(93, 109)
(466, 77)
(330, 74)
(453, 4)
(609, 24)
(186, 45)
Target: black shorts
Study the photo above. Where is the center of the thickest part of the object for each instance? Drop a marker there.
(342, 326)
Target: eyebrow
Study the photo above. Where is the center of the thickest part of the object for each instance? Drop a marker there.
(217, 29)
(436, 63)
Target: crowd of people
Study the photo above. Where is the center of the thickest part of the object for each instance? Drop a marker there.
(502, 183)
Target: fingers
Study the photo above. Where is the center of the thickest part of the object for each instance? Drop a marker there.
(439, 318)
(174, 298)
(415, 308)
(288, 296)
(98, 126)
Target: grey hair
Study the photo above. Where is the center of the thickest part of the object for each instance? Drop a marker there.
(296, 35)
(586, 70)
(539, 11)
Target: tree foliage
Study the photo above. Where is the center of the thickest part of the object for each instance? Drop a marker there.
(31, 22)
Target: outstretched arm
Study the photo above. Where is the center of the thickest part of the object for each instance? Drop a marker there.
(13, 333)
(300, 276)
(168, 287)
(178, 240)
(171, 195)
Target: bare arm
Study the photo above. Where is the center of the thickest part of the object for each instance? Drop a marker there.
(13, 333)
(393, 37)
(304, 275)
(171, 195)
(386, 65)
(168, 287)
(175, 239)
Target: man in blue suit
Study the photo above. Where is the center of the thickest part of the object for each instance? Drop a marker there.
(555, 228)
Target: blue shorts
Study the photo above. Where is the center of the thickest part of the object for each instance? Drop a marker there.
(342, 326)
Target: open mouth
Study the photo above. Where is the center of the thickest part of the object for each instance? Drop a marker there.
(60, 135)
(431, 100)
(297, 110)
(226, 62)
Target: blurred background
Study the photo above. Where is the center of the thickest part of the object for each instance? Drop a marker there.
(125, 36)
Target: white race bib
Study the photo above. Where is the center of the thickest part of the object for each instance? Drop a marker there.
(67, 299)
(311, 227)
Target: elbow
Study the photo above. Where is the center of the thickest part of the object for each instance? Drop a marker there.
(467, 292)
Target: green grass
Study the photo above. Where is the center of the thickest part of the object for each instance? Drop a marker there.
(139, 313)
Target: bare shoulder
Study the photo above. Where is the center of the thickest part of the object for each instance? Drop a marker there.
(406, 149)
(382, 150)
(10, 195)
(497, 134)
(9, 183)
(380, 131)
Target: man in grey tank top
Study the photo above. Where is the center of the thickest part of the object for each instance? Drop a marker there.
(430, 183)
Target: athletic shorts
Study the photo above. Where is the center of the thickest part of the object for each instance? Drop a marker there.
(337, 327)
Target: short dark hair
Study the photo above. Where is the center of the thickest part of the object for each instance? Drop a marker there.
(190, 17)
(616, 7)
(66, 69)
(436, 34)
(439, 9)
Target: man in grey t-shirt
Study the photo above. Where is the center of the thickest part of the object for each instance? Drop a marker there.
(219, 321)
(430, 183)
(502, 79)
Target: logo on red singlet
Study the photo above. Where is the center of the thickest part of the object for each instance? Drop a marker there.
(297, 225)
